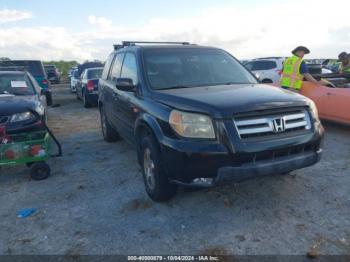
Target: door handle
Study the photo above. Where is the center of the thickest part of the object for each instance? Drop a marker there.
(330, 94)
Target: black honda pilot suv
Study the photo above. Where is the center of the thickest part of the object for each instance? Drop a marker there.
(197, 117)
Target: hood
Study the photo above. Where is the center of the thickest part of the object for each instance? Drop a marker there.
(225, 101)
(10, 104)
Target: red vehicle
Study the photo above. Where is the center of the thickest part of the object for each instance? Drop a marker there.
(333, 101)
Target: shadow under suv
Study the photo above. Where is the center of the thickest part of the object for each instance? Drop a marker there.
(197, 117)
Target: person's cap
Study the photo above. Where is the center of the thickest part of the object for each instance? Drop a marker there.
(301, 48)
(343, 56)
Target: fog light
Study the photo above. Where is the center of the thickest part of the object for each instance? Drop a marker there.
(203, 181)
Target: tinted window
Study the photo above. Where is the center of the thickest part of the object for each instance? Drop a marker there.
(129, 69)
(35, 68)
(16, 84)
(94, 73)
(193, 67)
(115, 72)
(83, 75)
(76, 74)
(261, 65)
(107, 66)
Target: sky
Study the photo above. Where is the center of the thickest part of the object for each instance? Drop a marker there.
(86, 30)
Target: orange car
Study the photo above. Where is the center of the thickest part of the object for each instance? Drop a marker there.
(332, 103)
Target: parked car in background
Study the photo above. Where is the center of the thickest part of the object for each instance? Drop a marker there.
(19, 94)
(53, 74)
(331, 64)
(197, 117)
(268, 70)
(87, 87)
(87, 65)
(74, 79)
(36, 69)
(243, 62)
(317, 69)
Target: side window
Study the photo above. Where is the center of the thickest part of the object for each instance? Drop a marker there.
(107, 66)
(129, 69)
(115, 72)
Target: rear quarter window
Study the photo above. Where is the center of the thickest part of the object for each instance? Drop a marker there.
(107, 66)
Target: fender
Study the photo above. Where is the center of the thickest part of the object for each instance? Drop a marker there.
(145, 119)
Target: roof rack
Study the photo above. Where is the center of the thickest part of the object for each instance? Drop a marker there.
(13, 68)
(133, 43)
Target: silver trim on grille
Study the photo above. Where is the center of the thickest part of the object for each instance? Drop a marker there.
(273, 123)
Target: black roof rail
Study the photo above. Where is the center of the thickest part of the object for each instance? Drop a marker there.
(132, 43)
(117, 47)
(13, 68)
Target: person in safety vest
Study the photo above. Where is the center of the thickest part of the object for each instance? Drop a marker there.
(295, 70)
(345, 63)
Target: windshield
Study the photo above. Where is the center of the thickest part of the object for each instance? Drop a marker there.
(15, 84)
(95, 73)
(172, 68)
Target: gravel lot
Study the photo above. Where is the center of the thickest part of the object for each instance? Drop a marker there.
(95, 202)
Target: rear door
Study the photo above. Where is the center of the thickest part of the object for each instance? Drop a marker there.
(125, 102)
(111, 109)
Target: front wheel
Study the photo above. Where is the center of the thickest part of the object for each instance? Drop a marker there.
(39, 171)
(156, 182)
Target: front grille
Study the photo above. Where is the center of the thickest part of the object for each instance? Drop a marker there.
(4, 120)
(273, 123)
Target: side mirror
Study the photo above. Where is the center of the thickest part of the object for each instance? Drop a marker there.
(125, 84)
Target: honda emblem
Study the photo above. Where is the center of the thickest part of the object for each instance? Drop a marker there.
(278, 125)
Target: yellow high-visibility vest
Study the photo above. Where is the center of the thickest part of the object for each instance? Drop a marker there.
(346, 70)
(291, 76)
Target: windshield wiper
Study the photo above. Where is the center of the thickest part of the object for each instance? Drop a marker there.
(236, 83)
(175, 87)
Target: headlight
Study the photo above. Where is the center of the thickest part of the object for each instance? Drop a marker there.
(314, 110)
(40, 109)
(191, 125)
(21, 117)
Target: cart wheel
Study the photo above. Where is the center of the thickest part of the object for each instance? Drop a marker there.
(40, 171)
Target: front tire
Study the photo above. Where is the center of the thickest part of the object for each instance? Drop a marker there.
(108, 132)
(156, 182)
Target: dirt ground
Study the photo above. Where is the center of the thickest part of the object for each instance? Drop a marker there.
(95, 202)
